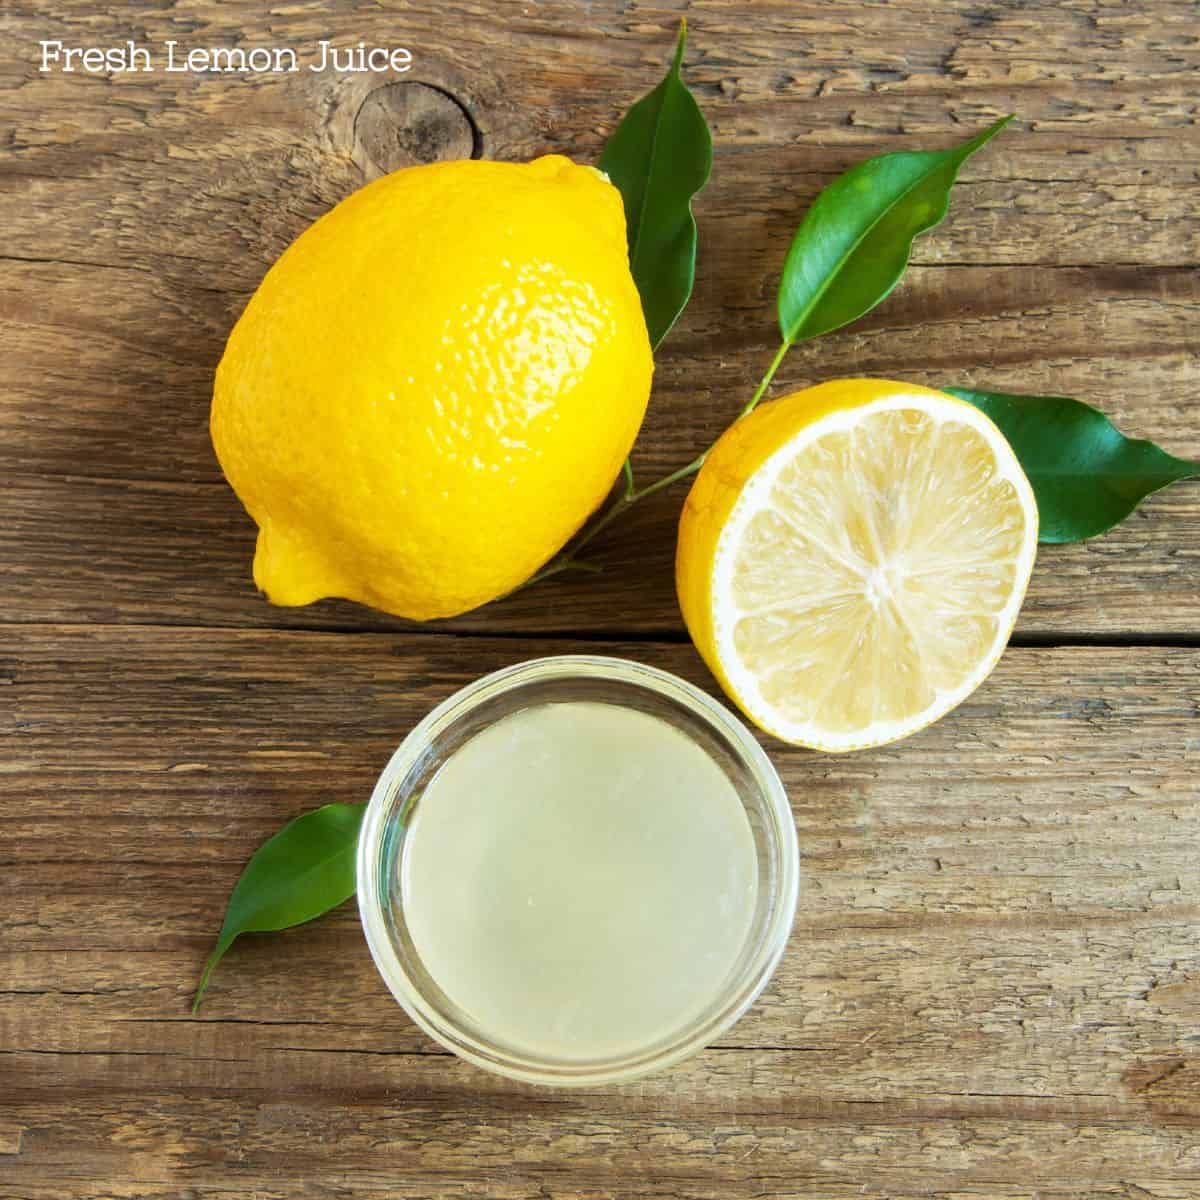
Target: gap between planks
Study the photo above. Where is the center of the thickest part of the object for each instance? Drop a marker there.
(1034, 640)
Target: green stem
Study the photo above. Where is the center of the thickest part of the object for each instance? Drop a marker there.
(629, 495)
(556, 566)
(765, 382)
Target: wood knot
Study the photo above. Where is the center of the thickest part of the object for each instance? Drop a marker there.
(404, 124)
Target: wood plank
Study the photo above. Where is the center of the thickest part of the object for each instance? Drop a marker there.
(991, 981)
(178, 550)
(299, 1147)
(145, 552)
(797, 90)
(1121, 338)
(1068, 265)
(990, 989)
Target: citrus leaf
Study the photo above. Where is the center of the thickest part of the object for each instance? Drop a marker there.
(659, 157)
(1087, 476)
(306, 869)
(853, 244)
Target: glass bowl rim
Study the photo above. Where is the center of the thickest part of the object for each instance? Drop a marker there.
(745, 988)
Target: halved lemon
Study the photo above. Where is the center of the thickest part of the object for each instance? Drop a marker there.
(852, 558)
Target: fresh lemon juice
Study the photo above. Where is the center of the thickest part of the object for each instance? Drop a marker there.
(579, 879)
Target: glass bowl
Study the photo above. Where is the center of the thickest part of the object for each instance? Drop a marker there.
(434, 740)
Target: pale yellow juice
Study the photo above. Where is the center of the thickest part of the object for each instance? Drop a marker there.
(580, 879)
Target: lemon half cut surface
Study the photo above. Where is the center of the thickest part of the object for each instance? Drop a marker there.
(852, 559)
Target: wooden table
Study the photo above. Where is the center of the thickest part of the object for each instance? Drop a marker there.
(993, 987)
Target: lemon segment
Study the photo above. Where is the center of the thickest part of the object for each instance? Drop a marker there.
(852, 559)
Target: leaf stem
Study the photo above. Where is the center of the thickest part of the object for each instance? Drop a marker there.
(210, 963)
(765, 382)
(629, 495)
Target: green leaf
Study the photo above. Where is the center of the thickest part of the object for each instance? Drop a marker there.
(659, 157)
(1086, 475)
(306, 869)
(853, 244)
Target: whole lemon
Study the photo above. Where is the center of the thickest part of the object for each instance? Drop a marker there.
(435, 385)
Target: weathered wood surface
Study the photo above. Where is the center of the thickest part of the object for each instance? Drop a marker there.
(993, 971)
(1069, 264)
(994, 985)
(180, 553)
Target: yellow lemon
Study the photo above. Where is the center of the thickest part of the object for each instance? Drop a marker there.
(435, 385)
(852, 558)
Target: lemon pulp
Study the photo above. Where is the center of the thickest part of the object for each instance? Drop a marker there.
(865, 569)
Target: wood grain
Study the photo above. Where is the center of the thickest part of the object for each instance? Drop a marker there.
(79, 549)
(1069, 264)
(993, 986)
(994, 963)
